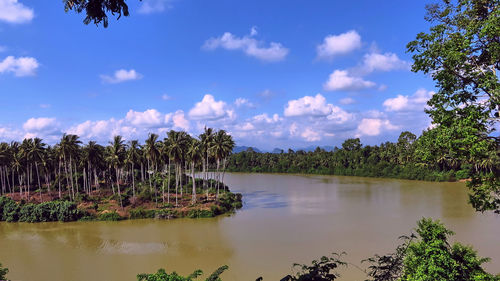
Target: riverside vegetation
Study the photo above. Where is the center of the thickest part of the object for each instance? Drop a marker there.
(154, 180)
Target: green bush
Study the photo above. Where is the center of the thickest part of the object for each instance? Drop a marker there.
(9, 209)
(141, 213)
(110, 216)
(195, 213)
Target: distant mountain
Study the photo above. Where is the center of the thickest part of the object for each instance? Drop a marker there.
(277, 150)
(313, 148)
(238, 149)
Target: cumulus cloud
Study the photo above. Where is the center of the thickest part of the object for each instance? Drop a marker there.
(22, 66)
(179, 120)
(316, 106)
(310, 135)
(339, 44)
(374, 126)
(249, 45)
(384, 62)
(415, 102)
(154, 6)
(150, 118)
(209, 109)
(40, 124)
(341, 80)
(120, 76)
(12, 11)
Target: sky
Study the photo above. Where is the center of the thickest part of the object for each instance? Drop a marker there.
(273, 74)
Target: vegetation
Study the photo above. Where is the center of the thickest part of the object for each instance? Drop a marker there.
(3, 272)
(461, 52)
(118, 180)
(409, 158)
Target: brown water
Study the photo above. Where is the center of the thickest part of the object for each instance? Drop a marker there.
(285, 219)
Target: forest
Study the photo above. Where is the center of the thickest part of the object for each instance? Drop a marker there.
(411, 157)
(58, 183)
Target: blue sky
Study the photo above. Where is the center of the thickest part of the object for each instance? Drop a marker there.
(272, 73)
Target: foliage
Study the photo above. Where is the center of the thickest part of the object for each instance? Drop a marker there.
(461, 52)
(141, 213)
(96, 10)
(409, 158)
(162, 275)
(44, 212)
(432, 258)
(110, 216)
(3, 272)
(323, 269)
(388, 267)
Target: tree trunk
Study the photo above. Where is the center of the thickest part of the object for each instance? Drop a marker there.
(39, 185)
(193, 200)
(118, 185)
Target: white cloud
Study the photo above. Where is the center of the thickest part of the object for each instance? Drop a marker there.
(310, 135)
(12, 11)
(374, 126)
(340, 80)
(22, 66)
(154, 6)
(120, 76)
(253, 31)
(45, 105)
(384, 62)
(149, 118)
(166, 97)
(415, 102)
(316, 106)
(264, 118)
(40, 124)
(249, 45)
(209, 109)
(346, 101)
(180, 121)
(339, 44)
(239, 102)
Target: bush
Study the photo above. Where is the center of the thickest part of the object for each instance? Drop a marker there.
(10, 209)
(110, 216)
(196, 213)
(141, 213)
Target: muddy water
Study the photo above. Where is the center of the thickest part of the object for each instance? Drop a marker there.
(285, 219)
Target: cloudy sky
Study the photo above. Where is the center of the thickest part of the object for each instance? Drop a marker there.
(272, 73)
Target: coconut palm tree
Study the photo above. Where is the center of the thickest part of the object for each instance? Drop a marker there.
(206, 139)
(177, 148)
(195, 155)
(152, 155)
(116, 158)
(69, 146)
(222, 146)
(133, 157)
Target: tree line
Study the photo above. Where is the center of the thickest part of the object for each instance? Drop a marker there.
(70, 167)
(422, 158)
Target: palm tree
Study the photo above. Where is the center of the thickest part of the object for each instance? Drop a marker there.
(206, 139)
(116, 157)
(194, 155)
(69, 146)
(36, 150)
(222, 146)
(133, 156)
(178, 142)
(152, 155)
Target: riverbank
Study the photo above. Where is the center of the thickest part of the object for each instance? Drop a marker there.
(105, 206)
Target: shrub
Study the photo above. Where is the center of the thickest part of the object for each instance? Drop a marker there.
(110, 216)
(141, 213)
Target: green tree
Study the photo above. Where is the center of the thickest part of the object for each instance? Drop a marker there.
(432, 258)
(462, 54)
(3, 273)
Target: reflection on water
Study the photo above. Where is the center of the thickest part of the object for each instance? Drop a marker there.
(285, 219)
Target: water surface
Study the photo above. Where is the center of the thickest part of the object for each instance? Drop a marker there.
(285, 219)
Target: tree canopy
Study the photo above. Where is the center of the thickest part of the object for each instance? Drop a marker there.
(97, 10)
(461, 52)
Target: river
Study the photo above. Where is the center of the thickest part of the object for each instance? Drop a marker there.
(284, 219)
